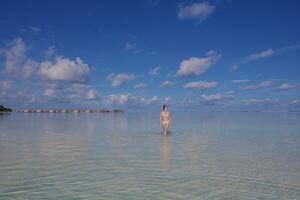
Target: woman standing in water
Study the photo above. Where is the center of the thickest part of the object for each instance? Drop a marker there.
(165, 119)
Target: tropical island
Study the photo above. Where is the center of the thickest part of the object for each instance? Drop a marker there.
(4, 109)
(28, 110)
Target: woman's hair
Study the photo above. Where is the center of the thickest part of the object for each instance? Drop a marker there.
(164, 106)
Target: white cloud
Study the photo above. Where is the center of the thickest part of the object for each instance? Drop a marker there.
(140, 85)
(64, 69)
(119, 99)
(201, 85)
(152, 100)
(230, 92)
(194, 66)
(120, 79)
(286, 86)
(260, 101)
(296, 102)
(234, 67)
(12, 93)
(49, 92)
(23, 96)
(240, 81)
(14, 55)
(92, 94)
(167, 99)
(5, 85)
(155, 71)
(198, 11)
(215, 98)
(263, 84)
(130, 46)
(30, 68)
(51, 51)
(54, 80)
(130, 99)
(263, 54)
(166, 84)
(33, 28)
(79, 92)
(16, 62)
(74, 93)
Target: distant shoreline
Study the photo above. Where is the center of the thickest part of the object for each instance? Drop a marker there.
(71, 111)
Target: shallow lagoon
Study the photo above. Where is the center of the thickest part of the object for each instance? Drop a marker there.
(208, 155)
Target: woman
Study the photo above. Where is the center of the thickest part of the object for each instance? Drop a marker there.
(165, 119)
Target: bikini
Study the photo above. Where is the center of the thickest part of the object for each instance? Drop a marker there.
(165, 121)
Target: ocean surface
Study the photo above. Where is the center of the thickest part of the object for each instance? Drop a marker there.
(207, 155)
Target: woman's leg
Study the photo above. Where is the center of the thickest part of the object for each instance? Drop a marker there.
(162, 127)
(166, 128)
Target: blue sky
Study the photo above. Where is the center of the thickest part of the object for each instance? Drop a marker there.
(140, 54)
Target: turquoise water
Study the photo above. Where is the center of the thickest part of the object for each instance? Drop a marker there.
(218, 155)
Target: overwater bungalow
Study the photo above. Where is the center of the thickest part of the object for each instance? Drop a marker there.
(104, 111)
(118, 110)
(64, 111)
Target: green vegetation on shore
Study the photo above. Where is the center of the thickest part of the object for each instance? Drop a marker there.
(3, 109)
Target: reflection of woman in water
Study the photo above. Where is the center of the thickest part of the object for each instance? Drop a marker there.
(165, 119)
(165, 153)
